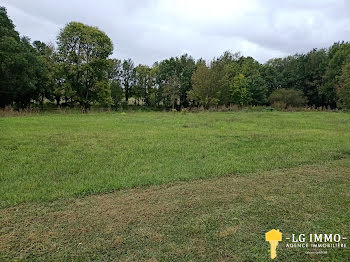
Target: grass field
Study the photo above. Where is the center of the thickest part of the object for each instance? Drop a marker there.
(209, 185)
(52, 156)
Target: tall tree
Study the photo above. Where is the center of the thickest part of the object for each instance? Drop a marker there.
(128, 77)
(254, 82)
(314, 65)
(48, 84)
(143, 84)
(240, 93)
(223, 70)
(21, 68)
(204, 92)
(272, 74)
(84, 51)
(184, 71)
(343, 87)
(157, 95)
(181, 68)
(115, 76)
(172, 91)
(338, 55)
(166, 69)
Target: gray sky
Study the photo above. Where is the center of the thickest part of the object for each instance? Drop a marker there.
(151, 30)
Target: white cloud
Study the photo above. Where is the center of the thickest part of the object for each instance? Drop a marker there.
(150, 30)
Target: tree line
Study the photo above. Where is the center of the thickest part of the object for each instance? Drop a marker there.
(78, 71)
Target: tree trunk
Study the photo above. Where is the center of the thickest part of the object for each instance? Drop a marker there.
(84, 108)
(126, 93)
(58, 100)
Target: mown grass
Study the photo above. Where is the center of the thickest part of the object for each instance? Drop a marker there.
(218, 219)
(46, 157)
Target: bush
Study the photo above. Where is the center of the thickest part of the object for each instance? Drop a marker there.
(283, 98)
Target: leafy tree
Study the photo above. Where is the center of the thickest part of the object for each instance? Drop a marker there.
(287, 97)
(314, 66)
(154, 96)
(270, 75)
(48, 82)
(241, 76)
(115, 76)
(256, 86)
(286, 72)
(21, 69)
(185, 69)
(84, 51)
(166, 70)
(338, 55)
(180, 67)
(143, 84)
(128, 78)
(272, 72)
(172, 90)
(7, 28)
(157, 95)
(248, 66)
(240, 93)
(116, 93)
(223, 70)
(343, 87)
(204, 92)
(301, 72)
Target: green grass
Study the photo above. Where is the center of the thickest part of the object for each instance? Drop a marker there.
(219, 219)
(52, 156)
(245, 173)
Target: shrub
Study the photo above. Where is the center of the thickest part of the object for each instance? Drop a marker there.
(283, 98)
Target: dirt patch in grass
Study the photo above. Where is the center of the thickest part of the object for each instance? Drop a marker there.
(221, 219)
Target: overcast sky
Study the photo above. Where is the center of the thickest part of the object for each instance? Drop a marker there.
(151, 30)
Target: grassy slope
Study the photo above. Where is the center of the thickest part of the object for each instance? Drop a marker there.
(218, 219)
(53, 156)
